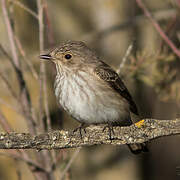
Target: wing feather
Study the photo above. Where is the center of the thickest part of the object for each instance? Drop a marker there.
(106, 73)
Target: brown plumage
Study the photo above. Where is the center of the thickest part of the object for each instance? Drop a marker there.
(106, 73)
(90, 90)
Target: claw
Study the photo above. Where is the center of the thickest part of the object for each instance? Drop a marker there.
(80, 129)
(111, 130)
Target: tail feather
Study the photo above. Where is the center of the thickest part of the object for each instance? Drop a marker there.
(138, 148)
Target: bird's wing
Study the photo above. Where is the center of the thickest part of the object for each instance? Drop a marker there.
(107, 74)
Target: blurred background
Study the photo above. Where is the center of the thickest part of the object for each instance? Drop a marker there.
(151, 73)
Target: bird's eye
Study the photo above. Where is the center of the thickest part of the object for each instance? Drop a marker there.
(68, 56)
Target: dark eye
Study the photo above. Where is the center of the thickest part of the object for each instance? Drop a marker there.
(68, 56)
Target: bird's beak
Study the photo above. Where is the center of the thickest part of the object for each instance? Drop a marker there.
(45, 56)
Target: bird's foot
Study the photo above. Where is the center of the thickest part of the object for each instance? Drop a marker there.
(110, 129)
(80, 128)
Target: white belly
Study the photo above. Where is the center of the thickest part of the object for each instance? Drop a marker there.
(89, 102)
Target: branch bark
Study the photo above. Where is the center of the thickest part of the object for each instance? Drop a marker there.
(143, 131)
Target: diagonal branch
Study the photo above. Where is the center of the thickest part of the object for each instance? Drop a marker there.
(27, 61)
(25, 8)
(10, 33)
(25, 159)
(158, 28)
(4, 123)
(142, 131)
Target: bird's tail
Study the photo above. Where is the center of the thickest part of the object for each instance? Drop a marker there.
(138, 148)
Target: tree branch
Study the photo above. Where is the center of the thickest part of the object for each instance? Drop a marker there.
(143, 131)
(158, 28)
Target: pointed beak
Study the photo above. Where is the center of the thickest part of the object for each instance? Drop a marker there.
(45, 56)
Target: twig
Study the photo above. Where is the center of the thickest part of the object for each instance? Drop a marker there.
(43, 87)
(158, 28)
(159, 15)
(48, 120)
(10, 33)
(171, 24)
(49, 27)
(4, 122)
(46, 156)
(70, 163)
(27, 61)
(25, 159)
(125, 57)
(18, 3)
(25, 100)
(8, 85)
(24, 94)
(7, 55)
(143, 131)
(7, 128)
(42, 68)
(18, 153)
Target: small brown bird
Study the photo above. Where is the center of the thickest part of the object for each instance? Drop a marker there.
(90, 90)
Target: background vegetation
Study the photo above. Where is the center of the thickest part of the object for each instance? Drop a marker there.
(151, 73)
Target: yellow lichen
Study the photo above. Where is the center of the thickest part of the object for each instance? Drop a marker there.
(139, 124)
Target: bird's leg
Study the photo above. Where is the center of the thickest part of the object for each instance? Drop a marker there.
(82, 126)
(110, 129)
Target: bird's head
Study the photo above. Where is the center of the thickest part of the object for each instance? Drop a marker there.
(71, 55)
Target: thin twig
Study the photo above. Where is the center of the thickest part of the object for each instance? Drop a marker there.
(7, 128)
(24, 100)
(7, 55)
(43, 87)
(48, 120)
(171, 24)
(70, 163)
(42, 67)
(129, 49)
(25, 159)
(8, 85)
(4, 122)
(49, 27)
(24, 93)
(158, 15)
(158, 28)
(20, 4)
(27, 61)
(47, 156)
(10, 33)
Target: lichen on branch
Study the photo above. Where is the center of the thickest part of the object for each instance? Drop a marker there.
(143, 131)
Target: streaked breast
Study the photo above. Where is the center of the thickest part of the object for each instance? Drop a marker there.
(89, 100)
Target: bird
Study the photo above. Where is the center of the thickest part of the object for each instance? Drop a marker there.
(90, 90)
